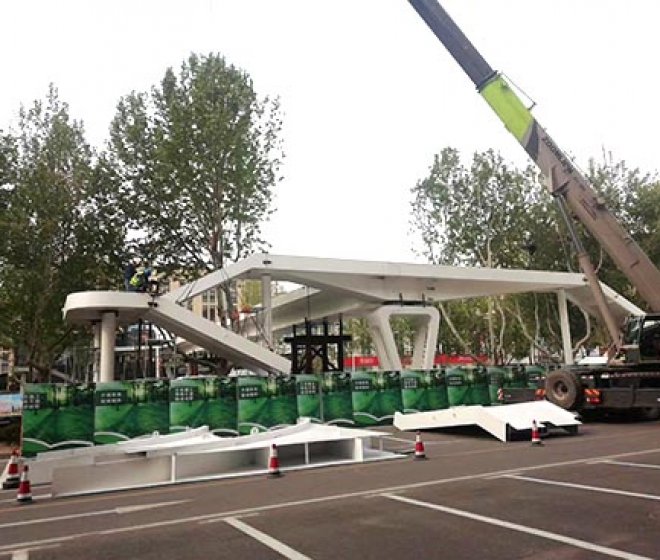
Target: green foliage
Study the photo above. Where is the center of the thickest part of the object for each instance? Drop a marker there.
(489, 213)
(634, 198)
(199, 155)
(249, 294)
(361, 342)
(477, 215)
(59, 222)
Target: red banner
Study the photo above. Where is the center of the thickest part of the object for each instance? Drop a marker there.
(439, 360)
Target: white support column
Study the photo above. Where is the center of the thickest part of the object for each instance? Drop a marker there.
(383, 339)
(419, 344)
(565, 327)
(96, 330)
(427, 323)
(158, 362)
(266, 302)
(108, 330)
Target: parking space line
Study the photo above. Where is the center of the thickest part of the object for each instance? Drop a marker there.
(265, 539)
(583, 487)
(219, 516)
(593, 547)
(426, 442)
(119, 510)
(626, 464)
(404, 440)
(24, 553)
(34, 498)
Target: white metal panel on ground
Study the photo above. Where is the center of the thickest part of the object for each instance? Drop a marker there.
(85, 307)
(43, 465)
(521, 415)
(122, 446)
(496, 420)
(199, 439)
(304, 445)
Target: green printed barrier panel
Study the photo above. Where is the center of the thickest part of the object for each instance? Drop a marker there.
(535, 376)
(414, 396)
(468, 386)
(337, 398)
(204, 401)
(128, 409)
(308, 397)
(266, 402)
(514, 377)
(57, 416)
(495, 383)
(436, 380)
(423, 390)
(376, 397)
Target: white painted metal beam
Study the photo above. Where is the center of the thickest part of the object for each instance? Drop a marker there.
(84, 307)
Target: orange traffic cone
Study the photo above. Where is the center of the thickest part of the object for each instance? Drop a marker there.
(13, 477)
(24, 491)
(273, 463)
(419, 447)
(536, 437)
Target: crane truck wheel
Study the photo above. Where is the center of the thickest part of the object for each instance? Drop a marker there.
(564, 389)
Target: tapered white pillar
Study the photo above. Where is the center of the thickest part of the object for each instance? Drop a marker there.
(427, 322)
(266, 302)
(565, 327)
(96, 331)
(107, 362)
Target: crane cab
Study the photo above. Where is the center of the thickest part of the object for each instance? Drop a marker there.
(641, 339)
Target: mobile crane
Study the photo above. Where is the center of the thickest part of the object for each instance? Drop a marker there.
(632, 381)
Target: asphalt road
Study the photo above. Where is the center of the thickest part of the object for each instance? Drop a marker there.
(595, 495)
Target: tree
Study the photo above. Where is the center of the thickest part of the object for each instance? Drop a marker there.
(489, 213)
(200, 155)
(60, 227)
(633, 197)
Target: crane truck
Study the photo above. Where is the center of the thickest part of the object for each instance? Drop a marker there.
(631, 377)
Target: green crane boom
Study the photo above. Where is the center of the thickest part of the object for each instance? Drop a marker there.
(563, 180)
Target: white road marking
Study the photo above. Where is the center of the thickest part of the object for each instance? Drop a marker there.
(117, 511)
(265, 539)
(522, 529)
(412, 441)
(219, 516)
(404, 440)
(34, 498)
(583, 487)
(626, 464)
(24, 553)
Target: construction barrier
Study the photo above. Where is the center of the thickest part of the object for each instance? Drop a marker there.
(58, 416)
(337, 399)
(266, 402)
(129, 409)
(376, 397)
(423, 390)
(468, 385)
(204, 401)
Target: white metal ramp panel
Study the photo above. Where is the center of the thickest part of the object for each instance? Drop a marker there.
(493, 419)
(304, 445)
(521, 415)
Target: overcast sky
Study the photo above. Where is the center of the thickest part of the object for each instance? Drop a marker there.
(369, 95)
